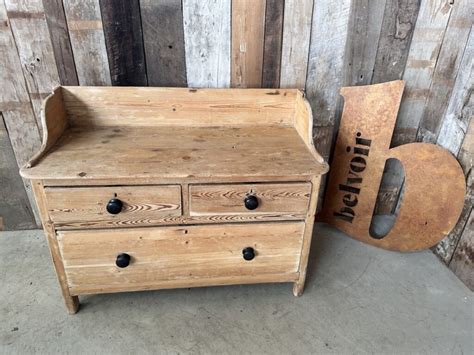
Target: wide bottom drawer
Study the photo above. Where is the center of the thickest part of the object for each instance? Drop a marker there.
(183, 255)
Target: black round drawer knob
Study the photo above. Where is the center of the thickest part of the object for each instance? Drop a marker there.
(114, 206)
(123, 260)
(251, 202)
(248, 253)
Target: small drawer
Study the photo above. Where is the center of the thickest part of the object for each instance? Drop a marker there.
(290, 199)
(119, 206)
(145, 258)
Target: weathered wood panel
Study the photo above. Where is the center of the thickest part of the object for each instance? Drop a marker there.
(296, 39)
(424, 50)
(124, 41)
(397, 30)
(15, 103)
(272, 43)
(59, 34)
(447, 66)
(364, 32)
(462, 263)
(15, 210)
(35, 51)
(325, 68)
(207, 42)
(163, 33)
(88, 43)
(461, 104)
(248, 20)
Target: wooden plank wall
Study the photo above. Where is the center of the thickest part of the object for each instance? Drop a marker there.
(315, 45)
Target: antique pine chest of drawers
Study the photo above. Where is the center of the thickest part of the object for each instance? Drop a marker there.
(152, 188)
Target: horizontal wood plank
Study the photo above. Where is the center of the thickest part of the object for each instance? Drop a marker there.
(102, 106)
(169, 253)
(84, 206)
(116, 153)
(229, 199)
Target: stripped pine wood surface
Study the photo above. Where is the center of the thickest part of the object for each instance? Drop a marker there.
(143, 205)
(295, 46)
(124, 41)
(353, 42)
(210, 149)
(272, 43)
(189, 252)
(58, 30)
(207, 42)
(163, 32)
(228, 199)
(99, 106)
(88, 43)
(248, 21)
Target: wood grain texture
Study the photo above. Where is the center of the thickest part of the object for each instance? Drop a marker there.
(170, 253)
(118, 106)
(18, 115)
(364, 33)
(124, 42)
(325, 69)
(53, 121)
(395, 38)
(446, 248)
(203, 153)
(461, 104)
(186, 283)
(248, 21)
(59, 34)
(229, 199)
(421, 62)
(272, 43)
(87, 40)
(298, 286)
(207, 39)
(296, 42)
(72, 302)
(447, 67)
(34, 48)
(163, 33)
(86, 206)
(462, 263)
(15, 210)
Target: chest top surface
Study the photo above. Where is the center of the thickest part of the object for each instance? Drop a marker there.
(175, 134)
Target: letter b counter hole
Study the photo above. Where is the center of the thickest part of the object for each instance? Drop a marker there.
(389, 199)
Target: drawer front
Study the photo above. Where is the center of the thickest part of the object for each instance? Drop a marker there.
(86, 207)
(158, 255)
(290, 199)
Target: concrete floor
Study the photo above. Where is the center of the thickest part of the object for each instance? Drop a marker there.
(358, 299)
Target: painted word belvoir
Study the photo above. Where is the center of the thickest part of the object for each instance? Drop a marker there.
(357, 166)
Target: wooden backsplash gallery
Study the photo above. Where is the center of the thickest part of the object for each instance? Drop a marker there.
(317, 46)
